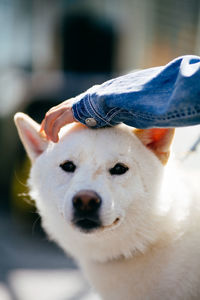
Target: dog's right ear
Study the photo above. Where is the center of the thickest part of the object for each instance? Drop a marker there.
(158, 140)
(29, 131)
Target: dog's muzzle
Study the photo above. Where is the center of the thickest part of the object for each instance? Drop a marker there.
(86, 205)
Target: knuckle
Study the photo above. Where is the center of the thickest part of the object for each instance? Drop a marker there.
(47, 115)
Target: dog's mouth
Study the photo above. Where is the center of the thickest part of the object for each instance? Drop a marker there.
(88, 225)
(117, 220)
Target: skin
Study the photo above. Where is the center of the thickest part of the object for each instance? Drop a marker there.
(56, 118)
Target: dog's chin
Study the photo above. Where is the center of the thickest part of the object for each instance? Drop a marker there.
(86, 226)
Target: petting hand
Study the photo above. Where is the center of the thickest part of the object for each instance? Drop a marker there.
(57, 117)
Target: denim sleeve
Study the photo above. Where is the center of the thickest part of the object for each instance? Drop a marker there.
(167, 96)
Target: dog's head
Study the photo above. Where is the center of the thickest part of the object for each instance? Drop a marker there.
(97, 190)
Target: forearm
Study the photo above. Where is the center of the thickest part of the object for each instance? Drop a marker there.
(166, 96)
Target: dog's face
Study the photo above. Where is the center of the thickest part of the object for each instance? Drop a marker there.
(97, 190)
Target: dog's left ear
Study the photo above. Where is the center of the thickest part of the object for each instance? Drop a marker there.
(158, 140)
(29, 131)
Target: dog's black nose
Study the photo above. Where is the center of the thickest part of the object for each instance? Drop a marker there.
(86, 201)
(86, 204)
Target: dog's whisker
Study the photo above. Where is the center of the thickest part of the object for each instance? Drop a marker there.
(19, 180)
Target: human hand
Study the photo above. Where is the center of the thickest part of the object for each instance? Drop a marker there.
(57, 117)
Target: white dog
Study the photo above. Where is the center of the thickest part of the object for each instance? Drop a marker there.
(107, 198)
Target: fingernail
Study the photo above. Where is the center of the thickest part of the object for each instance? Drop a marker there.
(42, 134)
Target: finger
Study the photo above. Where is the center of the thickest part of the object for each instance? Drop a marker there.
(50, 119)
(42, 125)
(64, 119)
(52, 115)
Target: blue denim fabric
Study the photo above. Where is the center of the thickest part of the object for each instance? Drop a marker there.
(167, 96)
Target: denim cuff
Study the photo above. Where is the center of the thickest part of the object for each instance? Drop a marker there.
(85, 108)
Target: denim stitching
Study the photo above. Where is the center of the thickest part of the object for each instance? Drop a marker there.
(108, 113)
(114, 111)
(96, 114)
(76, 110)
(189, 111)
(79, 115)
(86, 107)
(114, 114)
(109, 116)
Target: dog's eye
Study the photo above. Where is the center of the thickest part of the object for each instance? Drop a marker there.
(68, 166)
(118, 169)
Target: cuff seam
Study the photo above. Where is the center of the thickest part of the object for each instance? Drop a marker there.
(76, 112)
(115, 113)
(96, 114)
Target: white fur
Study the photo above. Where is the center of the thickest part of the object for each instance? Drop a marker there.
(154, 251)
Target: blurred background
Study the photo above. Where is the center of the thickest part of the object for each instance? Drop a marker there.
(51, 50)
